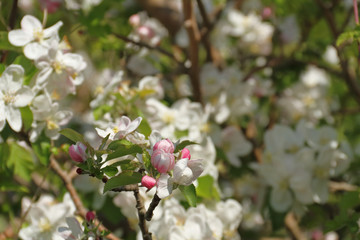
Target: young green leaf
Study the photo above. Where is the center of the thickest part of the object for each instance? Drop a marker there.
(183, 144)
(72, 135)
(206, 188)
(189, 193)
(122, 180)
(121, 148)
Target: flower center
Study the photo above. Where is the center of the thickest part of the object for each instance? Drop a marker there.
(45, 225)
(38, 35)
(51, 125)
(9, 97)
(168, 117)
(58, 67)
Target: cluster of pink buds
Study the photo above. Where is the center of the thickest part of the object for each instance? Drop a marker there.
(77, 152)
(163, 158)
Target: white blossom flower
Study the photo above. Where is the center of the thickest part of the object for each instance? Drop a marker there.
(13, 95)
(45, 216)
(121, 128)
(47, 115)
(33, 37)
(63, 70)
(234, 144)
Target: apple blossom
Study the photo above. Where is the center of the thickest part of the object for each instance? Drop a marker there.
(148, 182)
(77, 152)
(13, 95)
(187, 171)
(121, 128)
(33, 37)
(45, 216)
(185, 153)
(166, 145)
(163, 161)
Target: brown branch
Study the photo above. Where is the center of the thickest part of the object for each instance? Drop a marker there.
(150, 212)
(74, 195)
(293, 226)
(145, 45)
(13, 14)
(342, 186)
(141, 212)
(126, 188)
(194, 39)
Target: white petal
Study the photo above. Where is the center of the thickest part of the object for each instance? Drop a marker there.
(43, 76)
(13, 118)
(19, 37)
(23, 97)
(73, 61)
(30, 24)
(74, 226)
(53, 30)
(12, 78)
(164, 186)
(134, 125)
(2, 116)
(63, 117)
(35, 50)
(196, 166)
(280, 199)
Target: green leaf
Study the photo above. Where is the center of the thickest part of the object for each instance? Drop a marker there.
(121, 148)
(122, 180)
(104, 141)
(189, 193)
(110, 170)
(72, 135)
(120, 163)
(5, 44)
(206, 188)
(20, 160)
(27, 117)
(42, 150)
(4, 154)
(349, 36)
(183, 144)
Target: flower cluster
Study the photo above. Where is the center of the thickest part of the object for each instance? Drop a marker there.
(59, 72)
(299, 164)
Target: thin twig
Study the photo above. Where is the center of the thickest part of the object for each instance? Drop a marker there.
(194, 39)
(126, 188)
(356, 12)
(145, 45)
(75, 196)
(141, 212)
(342, 186)
(293, 226)
(150, 212)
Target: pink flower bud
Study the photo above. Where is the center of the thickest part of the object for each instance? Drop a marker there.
(162, 161)
(77, 152)
(51, 5)
(185, 153)
(166, 145)
(145, 32)
(134, 20)
(90, 216)
(148, 182)
(266, 13)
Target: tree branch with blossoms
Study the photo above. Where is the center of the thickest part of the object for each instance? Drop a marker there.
(75, 196)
